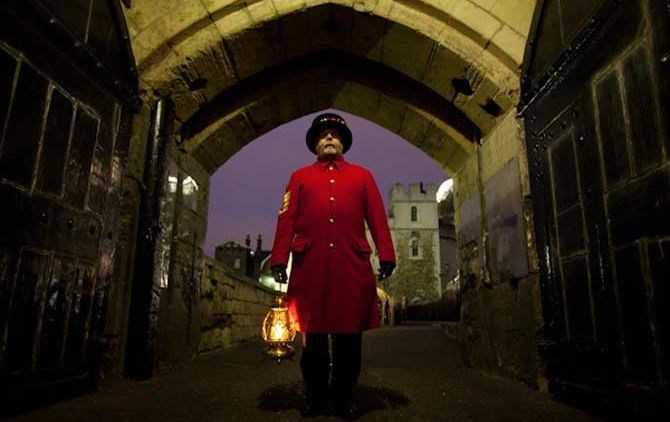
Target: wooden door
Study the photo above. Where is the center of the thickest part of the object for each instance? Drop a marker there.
(63, 142)
(595, 109)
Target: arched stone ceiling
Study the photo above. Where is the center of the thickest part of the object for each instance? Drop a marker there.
(159, 29)
(467, 52)
(241, 122)
(329, 80)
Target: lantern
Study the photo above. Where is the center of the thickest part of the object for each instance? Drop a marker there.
(278, 330)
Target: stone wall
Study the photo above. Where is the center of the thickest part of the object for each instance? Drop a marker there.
(119, 297)
(185, 226)
(232, 307)
(200, 304)
(500, 314)
(415, 278)
(449, 261)
(182, 231)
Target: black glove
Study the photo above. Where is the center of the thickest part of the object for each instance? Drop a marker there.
(386, 269)
(279, 273)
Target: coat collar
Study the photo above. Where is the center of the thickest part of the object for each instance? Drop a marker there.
(338, 162)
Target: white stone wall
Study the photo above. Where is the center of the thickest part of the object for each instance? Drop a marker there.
(402, 201)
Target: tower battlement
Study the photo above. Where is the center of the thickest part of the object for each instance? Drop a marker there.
(417, 192)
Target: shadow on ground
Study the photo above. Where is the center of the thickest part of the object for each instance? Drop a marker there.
(279, 398)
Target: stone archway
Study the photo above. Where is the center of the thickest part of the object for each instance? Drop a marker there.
(489, 33)
(442, 75)
(467, 52)
(230, 121)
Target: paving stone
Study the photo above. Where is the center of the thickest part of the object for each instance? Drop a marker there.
(410, 373)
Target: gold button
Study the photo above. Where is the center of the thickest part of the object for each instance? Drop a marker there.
(332, 245)
(332, 181)
(331, 220)
(330, 168)
(332, 198)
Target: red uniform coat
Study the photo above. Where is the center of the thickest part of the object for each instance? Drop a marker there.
(332, 288)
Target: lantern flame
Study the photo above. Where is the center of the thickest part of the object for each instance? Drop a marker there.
(278, 329)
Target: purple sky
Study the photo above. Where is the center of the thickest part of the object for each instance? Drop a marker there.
(246, 192)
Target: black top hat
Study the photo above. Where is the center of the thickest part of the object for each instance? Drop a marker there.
(328, 121)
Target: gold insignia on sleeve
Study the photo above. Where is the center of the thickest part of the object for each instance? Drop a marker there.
(285, 203)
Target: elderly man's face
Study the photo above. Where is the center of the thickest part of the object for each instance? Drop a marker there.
(329, 144)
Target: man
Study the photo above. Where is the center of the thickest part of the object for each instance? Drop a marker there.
(333, 289)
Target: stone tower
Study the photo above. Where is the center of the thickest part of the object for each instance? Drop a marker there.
(413, 221)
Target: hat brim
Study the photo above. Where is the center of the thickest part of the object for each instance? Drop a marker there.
(315, 130)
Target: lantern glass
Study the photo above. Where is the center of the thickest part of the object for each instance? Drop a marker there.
(277, 330)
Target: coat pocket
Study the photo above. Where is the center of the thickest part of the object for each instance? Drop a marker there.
(362, 247)
(300, 245)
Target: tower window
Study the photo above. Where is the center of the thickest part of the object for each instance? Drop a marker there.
(414, 213)
(414, 248)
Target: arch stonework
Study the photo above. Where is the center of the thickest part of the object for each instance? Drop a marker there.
(196, 50)
(182, 27)
(442, 74)
(233, 124)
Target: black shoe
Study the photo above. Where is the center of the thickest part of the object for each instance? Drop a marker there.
(346, 410)
(312, 407)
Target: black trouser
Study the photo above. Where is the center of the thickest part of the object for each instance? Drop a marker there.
(315, 364)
